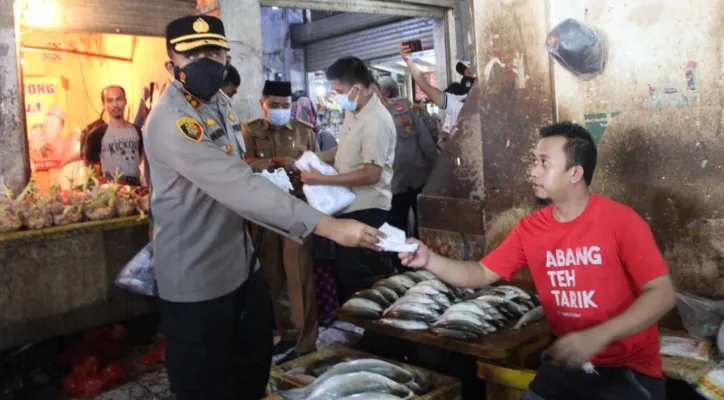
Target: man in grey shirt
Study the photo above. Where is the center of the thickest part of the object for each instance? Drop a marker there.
(215, 305)
(115, 146)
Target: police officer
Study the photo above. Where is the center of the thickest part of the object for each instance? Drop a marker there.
(216, 312)
(288, 265)
(415, 155)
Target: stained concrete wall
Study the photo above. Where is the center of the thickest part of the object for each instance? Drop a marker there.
(14, 161)
(656, 112)
(279, 56)
(61, 280)
(657, 127)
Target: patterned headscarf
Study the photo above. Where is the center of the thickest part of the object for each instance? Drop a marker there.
(303, 110)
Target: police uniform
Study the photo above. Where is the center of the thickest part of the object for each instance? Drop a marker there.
(415, 155)
(216, 311)
(288, 266)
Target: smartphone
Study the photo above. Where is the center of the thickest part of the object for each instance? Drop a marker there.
(414, 45)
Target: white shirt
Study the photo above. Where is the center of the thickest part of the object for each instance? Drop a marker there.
(453, 105)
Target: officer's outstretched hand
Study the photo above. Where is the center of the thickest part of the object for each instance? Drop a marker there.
(349, 233)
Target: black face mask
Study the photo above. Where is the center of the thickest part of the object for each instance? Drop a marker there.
(202, 78)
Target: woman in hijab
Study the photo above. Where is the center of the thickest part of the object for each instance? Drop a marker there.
(303, 109)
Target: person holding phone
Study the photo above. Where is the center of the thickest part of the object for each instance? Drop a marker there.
(452, 99)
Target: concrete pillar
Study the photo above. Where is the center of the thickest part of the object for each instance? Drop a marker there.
(14, 157)
(442, 51)
(242, 21)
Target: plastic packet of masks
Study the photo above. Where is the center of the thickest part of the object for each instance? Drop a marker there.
(138, 275)
(327, 199)
(577, 47)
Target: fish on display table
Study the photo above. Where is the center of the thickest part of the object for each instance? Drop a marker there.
(418, 301)
(531, 316)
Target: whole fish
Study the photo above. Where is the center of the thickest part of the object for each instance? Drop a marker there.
(425, 274)
(371, 365)
(418, 297)
(492, 301)
(389, 294)
(399, 289)
(463, 326)
(426, 300)
(531, 316)
(492, 292)
(515, 309)
(408, 325)
(414, 276)
(522, 303)
(341, 386)
(403, 280)
(528, 303)
(362, 303)
(455, 317)
(363, 308)
(424, 289)
(455, 334)
(439, 286)
(514, 290)
(374, 295)
(371, 396)
(443, 300)
(412, 311)
(471, 308)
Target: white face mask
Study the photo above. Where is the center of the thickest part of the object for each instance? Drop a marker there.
(279, 116)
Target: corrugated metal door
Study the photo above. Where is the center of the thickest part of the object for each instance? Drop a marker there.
(369, 44)
(132, 17)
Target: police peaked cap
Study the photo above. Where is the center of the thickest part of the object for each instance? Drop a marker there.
(277, 88)
(461, 67)
(194, 31)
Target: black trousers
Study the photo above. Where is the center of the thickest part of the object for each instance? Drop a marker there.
(401, 205)
(359, 268)
(611, 383)
(220, 348)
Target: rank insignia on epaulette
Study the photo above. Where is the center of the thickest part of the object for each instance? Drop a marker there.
(191, 129)
(232, 116)
(210, 122)
(192, 100)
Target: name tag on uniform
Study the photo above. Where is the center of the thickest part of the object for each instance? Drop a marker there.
(217, 134)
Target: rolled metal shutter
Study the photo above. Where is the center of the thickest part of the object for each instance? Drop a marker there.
(369, 44)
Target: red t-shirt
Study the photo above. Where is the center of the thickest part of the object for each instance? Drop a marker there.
(588, 271)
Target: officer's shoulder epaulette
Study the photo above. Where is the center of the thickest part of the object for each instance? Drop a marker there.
(253, 122)
(303, 123)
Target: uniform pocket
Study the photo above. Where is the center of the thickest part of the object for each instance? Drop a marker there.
(263, 148)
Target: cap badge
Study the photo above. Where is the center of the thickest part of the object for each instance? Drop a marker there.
(201, 26)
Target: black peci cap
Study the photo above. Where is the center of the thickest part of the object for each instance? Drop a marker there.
(277, 88)
(461, 67)
(194, 31)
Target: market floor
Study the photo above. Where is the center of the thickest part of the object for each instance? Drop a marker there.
(154, 385)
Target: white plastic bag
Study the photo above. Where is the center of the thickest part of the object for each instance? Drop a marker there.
(279, 178)
(702, 317)
(693, 349)
(139, 275)
(327, 199)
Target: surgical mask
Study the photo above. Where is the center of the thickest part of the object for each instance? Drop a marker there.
(344, 103)
(202, 78)
(279, 116)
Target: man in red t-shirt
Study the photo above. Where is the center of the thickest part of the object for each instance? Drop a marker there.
(601, 278)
